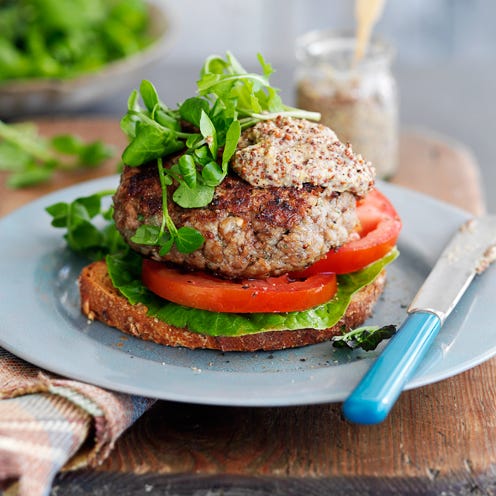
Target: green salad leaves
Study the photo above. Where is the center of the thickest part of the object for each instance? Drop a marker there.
(31, 159)
(65, 38)
(206, 128)
(367, 338)
(90, 230)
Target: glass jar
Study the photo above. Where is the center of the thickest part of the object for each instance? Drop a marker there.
(358, 100)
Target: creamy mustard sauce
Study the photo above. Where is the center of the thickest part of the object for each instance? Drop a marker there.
(287, 152)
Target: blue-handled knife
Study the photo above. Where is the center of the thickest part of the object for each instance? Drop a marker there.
(469, 253)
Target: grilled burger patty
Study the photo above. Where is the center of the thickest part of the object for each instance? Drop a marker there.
(248, 231)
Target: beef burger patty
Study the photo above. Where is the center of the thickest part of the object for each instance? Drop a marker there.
(248, 231)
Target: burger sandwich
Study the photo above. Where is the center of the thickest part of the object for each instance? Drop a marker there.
(243, 224)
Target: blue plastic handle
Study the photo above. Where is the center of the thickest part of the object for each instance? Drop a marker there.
(377, 392)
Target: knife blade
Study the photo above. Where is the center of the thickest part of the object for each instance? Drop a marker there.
(471, 250)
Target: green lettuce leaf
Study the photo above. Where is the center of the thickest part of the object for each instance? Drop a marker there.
(124, 272)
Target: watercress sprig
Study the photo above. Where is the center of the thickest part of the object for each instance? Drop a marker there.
(185, 238)
(206, 128)
(31, 159)
(80, 218)
(367, 338)
(252, 95)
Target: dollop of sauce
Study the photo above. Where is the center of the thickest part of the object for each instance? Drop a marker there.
(288, 152)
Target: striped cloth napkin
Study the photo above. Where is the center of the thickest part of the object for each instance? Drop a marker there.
(48, 423)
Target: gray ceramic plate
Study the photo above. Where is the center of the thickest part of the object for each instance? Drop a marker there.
(40, 321)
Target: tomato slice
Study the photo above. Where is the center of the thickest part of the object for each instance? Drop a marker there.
(203, 291)
(380, 228)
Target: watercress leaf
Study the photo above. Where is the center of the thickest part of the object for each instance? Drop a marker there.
(91, 204)
(27, 139)
(59, 212)
(233, 64)
(212, 174)
(232, 137)
(207, 80)
(83, 236)
(78, 214)
(149, 95)
(173, 144)
(255, 103)
(146, 234)
(367, 338)
(13, 157)
(109, 213)
(67, 143)
(221, 121)
(208, 131)
(133, 101)
(166, 119)
(216, 84)
(168, 177)
(370, 340)
(128, 125)
(202, 155)
(188, 239)
(166, 243)
(150, 142)
(112, 240)
(191, 109)
(30, 176)
(223, 110)
(270, 100)
(342, 341)
(187, 168)
(81, 209)
(94, 154)
(193, 140)
(266, 67)
(214, 64)
(244, 93)
(187, 197)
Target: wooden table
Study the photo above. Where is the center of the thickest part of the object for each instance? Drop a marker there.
(439, 439)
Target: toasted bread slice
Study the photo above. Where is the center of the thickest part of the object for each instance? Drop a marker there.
(101, 301)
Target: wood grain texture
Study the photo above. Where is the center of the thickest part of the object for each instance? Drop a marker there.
(442, 168)
(438, 439)
(441, 431)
